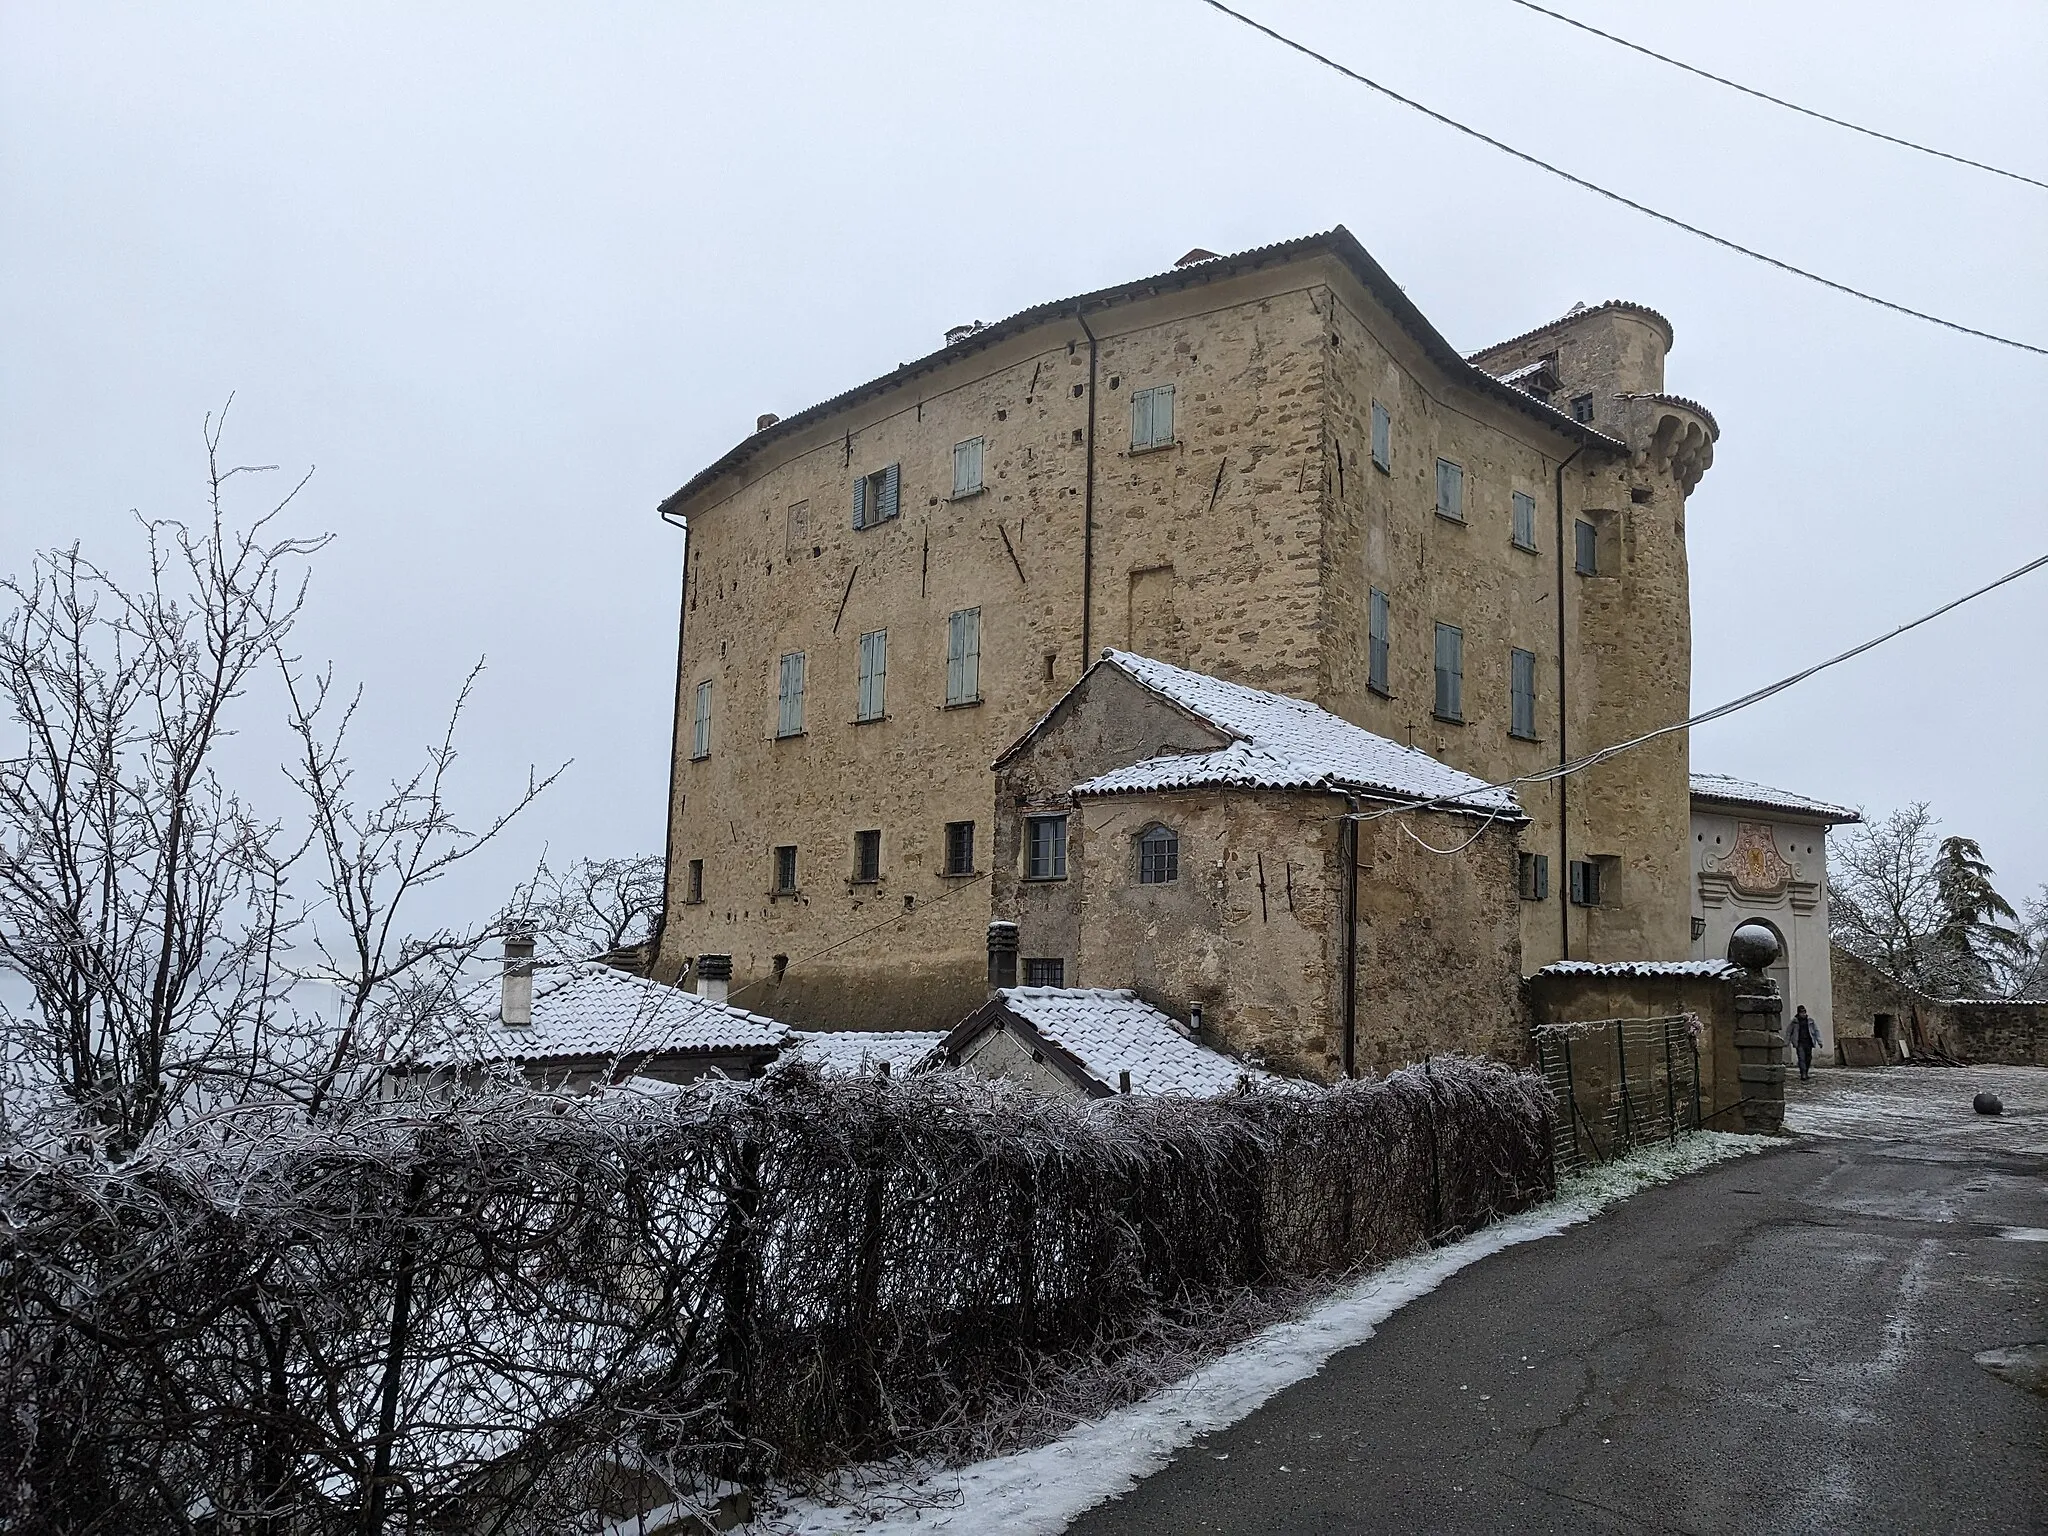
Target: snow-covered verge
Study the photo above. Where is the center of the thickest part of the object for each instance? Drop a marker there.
(1037, 1492)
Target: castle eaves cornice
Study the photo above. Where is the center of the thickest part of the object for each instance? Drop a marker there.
(1607, 306)
(1338, 242)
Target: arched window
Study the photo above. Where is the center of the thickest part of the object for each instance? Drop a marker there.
(1158, 856)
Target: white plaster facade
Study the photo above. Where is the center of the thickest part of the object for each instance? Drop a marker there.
(1761, 855)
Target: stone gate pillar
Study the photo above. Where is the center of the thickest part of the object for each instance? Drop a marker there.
(1759, 1034)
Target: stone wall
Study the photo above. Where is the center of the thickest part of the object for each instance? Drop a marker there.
(1741, 1046)
(2011, 1034)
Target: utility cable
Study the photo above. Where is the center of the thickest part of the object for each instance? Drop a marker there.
(1776, 101)
(1627, 202)
(1757, 696)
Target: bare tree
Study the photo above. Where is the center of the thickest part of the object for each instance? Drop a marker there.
(142, 900)
(594, 906)
(393, 984)
(147, 905)
(1920, 908)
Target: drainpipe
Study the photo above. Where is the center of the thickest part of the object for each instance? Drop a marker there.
(1347, 844)
(1564, 849)
(675, 736)
(1088, 505)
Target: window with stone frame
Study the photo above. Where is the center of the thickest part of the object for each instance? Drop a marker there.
(1045, 847)
(785, 870)
(959, 847)
(1044, 972)
(867, 856)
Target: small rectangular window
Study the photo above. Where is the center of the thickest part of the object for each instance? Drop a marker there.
(1045, 848)
(1585, 548)
(700, 725)
(867, 857)
(1382, 438)
(1376, 643)
(1523, 534)
(1450, 490)
(1450, 672)
(959, 847)
(874, 675)
(1585, 883)
(876, 496)
(963, 657)
(1582, 407)
(1045, 973)
(967, 467)
(789, 696)
(785, 870)
(696, 886)
(1152, 417)
(1522, 694)
(1535, 876)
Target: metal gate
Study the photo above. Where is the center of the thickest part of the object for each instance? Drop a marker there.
(1619, 1084)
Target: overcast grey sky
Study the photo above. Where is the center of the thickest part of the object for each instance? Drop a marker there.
(508, 274)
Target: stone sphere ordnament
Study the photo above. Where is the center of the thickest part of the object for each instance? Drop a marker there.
(1753, 947)
(1988, 1104)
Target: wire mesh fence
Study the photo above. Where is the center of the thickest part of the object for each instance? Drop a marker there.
(1618, 1084)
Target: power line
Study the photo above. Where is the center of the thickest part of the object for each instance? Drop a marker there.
(1627, 202)
(1757, 696)
(1776, 101)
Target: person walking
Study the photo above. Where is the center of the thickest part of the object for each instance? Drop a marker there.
(1805, 1038)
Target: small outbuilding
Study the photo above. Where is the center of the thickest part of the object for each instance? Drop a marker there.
(1332, 902)
(585, 1025)
(1089, 1042)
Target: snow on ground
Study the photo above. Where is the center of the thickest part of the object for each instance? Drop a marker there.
(1038, 1491)
(1923, 1104)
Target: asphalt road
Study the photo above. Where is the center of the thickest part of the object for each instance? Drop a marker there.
(1783, 1343)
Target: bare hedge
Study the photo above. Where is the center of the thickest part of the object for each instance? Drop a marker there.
(493, 1313)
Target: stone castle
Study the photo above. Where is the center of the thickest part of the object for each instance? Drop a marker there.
(1269, 468)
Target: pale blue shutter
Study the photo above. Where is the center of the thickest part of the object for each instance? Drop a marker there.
(1450, 672)
(1382, 436)
(860, 501)
(1162, 415)
(892, 479)
(1141, 419)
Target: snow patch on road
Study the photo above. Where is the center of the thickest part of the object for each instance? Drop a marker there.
(1037, 1492)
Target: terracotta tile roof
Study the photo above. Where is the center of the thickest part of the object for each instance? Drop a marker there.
(856, 1050)
(1642, 968)
(1284, 743)
(585, 1010)
(1719, 789)
(1109, 1032)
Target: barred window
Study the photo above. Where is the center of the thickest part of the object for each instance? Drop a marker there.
(867, 856)
(696, 881)
(959, 847)
(1158, 856)
(785, 870)
(1045, 973)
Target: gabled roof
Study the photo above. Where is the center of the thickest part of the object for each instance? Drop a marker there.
(1096, 1034)
(588, 1011)
(1278, 743)
(1338, 242)
(1720, 790)
(860, 1050)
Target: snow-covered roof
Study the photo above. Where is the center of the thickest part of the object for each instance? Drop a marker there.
(586, 1010)
(1642, 968)
(1719, 789)
(1285, 743)
(1110, 1032)
(858, 1050)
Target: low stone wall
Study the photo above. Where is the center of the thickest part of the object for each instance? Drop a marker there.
(1996, 1033)
(1741, 1046)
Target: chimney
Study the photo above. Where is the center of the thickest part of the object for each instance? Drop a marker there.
(1195, 256)
(515, 996)
(714, 974)
(1002, 955)
(765, 420)
(959, 333)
